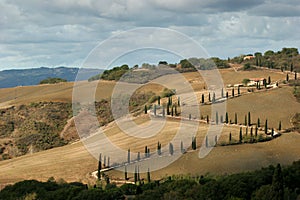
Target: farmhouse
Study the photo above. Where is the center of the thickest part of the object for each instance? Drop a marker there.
(254, 81)
(248, 57)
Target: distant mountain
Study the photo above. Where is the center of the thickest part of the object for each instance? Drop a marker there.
(23, 77)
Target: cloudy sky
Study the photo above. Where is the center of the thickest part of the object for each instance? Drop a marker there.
(37, 33)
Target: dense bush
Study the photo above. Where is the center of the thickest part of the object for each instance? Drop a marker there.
(52, 80)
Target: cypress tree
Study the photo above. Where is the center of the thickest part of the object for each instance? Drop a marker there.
(135, 175)
(154, 109)
(206, 141)
(209, 97)
(214, 98)
(266, 127)
(146, 151)
(256, 130)
(246, 130)
(251, 131)
(202, 98)
(125, 174)
(207, 119)
(269, 80)
(241, 135)
(158, 148)
(175, 110)
(171, 150)
(221, 119)
(158, 100)
(128, 156)
(258, 122)
(172, 111)
(295, 75)
(239, 92)
(222, 93)
(226, 118)
(104, 161)
(138, 156)
(279, 126)
(245, 120)
(235, 118)
(230, 137)
(217, 117)
(181, 147)
(163, 111)
(287, 77)
(190, 116)
(216, 140)
(249, 119)
(272, 132)
(138, 174)
(108, 161)
(145, 109)
(168, 109)
(178, 101)
(148, 176)
(265, 83)
(292, 67)
(227, 95)
(232, 92)
(99, 166)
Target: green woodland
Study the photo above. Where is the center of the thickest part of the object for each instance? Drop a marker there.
(272, 183)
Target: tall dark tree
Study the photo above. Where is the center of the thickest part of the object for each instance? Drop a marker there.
(154, 109)
(295, 75)
(266, 126)
(207, 119)
(125, 174)
(235, 118)
(168, 109)
(158, 148)
(247, 130)
(194, 144)
(232, 92)
(272, 132)
(181, 147)
(171, 148)
(158, 100)
(251, 131)
(145, 109)
(230, 137)
(135, 175)
(269, 80)
(128, 156)
(258, 122)
(245, 120)
(209, 99)
(241, 135)
(99, 167)
(239, 91)
(217, 117)
(206, 141)
(226, 118)
(172, 111)
(227, 96)
(249, 119)
(256, 130)
(287, 77)
(146, 151)
(138, 157)
(216, 140)
(148, 176)
(214, 98)
(279, 126)
(178, 101)
(202, 98)
(163, 111)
